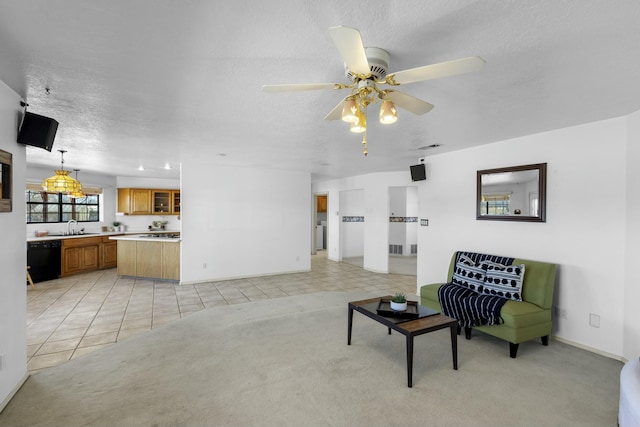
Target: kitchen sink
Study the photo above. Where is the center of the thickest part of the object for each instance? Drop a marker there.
(71, 235)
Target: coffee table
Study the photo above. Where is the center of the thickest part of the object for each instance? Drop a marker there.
(427, 321)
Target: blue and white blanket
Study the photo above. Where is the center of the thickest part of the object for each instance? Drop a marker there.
(469, 307)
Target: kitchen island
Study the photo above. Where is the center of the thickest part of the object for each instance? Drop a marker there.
(151, 256)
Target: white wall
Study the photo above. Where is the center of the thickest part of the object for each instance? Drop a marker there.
(631, 318)
(351, 233)
(584, 233)
(242, 222)
(13, 257)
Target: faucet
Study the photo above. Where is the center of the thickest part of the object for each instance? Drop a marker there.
(69, 226)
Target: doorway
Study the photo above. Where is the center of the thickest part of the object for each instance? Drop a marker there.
(320, 223)
(403, 230)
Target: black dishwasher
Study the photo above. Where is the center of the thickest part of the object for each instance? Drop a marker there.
(43, 258)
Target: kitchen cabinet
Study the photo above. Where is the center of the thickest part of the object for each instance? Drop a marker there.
(126, 257)
(134, 201)
(108, 253)
(148, 201)
(161, 202)
(175, 202)
(148, 258)
(170, 268)
(322, 203)
(80, 255)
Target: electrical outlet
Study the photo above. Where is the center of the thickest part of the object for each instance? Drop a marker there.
(204, 265)
(594, 320)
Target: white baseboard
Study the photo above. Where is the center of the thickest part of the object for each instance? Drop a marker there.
(590, 349)
(15, 389)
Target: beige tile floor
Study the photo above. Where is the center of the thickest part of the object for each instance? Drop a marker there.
(73, 316)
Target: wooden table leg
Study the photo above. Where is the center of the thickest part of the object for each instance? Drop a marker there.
(409, 360)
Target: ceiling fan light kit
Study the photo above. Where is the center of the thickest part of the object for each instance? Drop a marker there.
(349, 110)
(366, 69)
(388, 113)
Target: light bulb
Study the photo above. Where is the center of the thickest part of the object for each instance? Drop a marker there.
(388, 113)
(350, 111)
(361, 125)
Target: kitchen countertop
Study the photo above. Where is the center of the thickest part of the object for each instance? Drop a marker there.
(140, 237)
(125, 234)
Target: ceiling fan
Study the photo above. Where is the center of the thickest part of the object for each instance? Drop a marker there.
(367, 70)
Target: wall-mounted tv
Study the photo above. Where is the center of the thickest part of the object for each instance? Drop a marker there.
(38, 131)
(418, 172)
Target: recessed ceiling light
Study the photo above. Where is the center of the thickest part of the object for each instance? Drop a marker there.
(167, 166)
(140, 168)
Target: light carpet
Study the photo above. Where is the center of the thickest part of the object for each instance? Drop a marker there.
(285, 362)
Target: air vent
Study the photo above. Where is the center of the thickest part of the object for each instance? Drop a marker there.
(426, 147)
(395, 249)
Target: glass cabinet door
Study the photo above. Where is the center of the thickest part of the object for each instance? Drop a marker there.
(176, 202)
(162, 202)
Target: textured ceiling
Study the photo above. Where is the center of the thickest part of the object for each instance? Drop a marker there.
(143, 82)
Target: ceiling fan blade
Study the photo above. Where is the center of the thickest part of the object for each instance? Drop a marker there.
(436, 71)
(349, 43)
(336, 113)
(409, 103)
(299, 87)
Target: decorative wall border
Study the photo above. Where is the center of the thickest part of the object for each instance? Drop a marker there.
(352, 219)
(403, 219)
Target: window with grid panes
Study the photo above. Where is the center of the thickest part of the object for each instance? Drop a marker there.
(44, 207)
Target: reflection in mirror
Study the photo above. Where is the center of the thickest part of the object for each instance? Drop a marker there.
(5, 181)
(512, 194)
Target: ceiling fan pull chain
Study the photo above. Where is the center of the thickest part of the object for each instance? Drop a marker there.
(364, 144)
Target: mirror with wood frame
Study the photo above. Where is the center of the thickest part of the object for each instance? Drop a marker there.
(516, 193)
(5, 181)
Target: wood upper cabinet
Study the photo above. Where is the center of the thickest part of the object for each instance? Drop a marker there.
(161, 202)
(145, 201)
(134, 201)
(175, 202)
(322, 204)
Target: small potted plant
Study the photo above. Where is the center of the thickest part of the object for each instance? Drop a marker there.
(399, 302)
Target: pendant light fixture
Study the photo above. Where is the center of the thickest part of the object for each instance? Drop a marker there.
(78, 193)
(61, 182)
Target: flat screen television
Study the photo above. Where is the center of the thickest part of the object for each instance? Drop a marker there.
(418, 172)
(38, 131)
